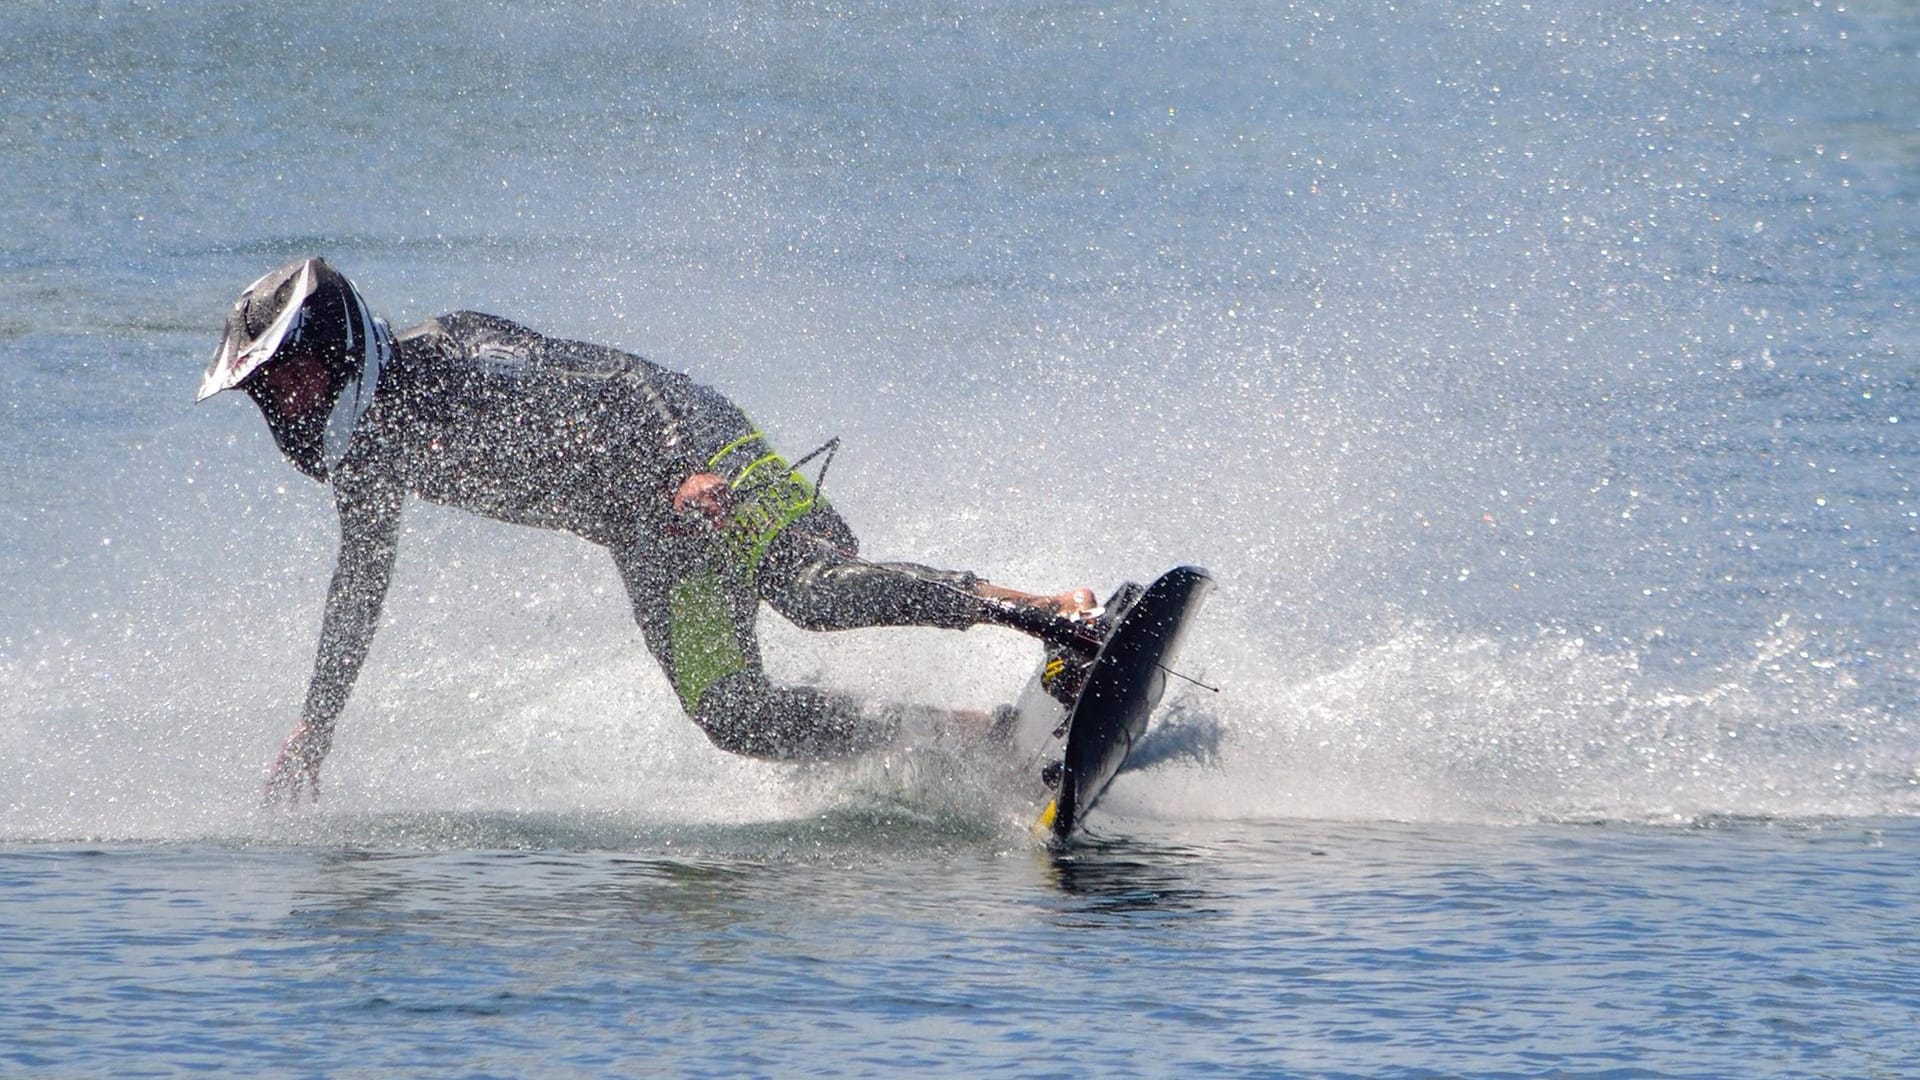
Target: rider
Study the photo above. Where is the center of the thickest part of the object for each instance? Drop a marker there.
(702, 517)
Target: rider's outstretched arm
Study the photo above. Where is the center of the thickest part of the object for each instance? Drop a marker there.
(369, 540)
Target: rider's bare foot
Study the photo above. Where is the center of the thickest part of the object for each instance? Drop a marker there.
(1073, 604)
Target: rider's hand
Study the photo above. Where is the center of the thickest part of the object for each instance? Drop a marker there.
(297, 768)
(707, 495)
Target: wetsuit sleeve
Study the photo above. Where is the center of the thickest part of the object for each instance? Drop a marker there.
(369, 541)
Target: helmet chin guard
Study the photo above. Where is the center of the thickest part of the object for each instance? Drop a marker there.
(374, 348)
(310, 308)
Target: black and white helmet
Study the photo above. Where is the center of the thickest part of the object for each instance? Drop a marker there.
(307, 308)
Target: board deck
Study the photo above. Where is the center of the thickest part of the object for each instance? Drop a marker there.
(1124, 685)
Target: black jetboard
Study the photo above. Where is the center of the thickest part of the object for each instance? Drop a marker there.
(1123, 685)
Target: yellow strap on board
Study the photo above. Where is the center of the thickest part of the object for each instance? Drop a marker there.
(1045, 824)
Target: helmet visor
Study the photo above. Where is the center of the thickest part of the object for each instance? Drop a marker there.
(280, 300)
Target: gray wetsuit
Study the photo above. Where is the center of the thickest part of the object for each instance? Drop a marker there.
(480, 413)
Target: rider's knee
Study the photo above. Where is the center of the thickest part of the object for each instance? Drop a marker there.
(732, 713)
(744, 714)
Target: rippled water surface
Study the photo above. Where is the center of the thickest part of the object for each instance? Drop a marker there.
(1286, 948)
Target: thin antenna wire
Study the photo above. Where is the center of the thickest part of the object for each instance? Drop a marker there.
(1185, 678)
(829, 448)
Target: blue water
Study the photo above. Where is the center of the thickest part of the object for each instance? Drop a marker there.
(1299, 948)
(1538, 380)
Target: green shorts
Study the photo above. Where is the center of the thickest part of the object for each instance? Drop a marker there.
(703, 608)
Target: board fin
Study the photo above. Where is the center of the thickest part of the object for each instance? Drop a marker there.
(1044, 826)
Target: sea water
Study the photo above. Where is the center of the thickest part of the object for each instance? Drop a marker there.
(1537, 379)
